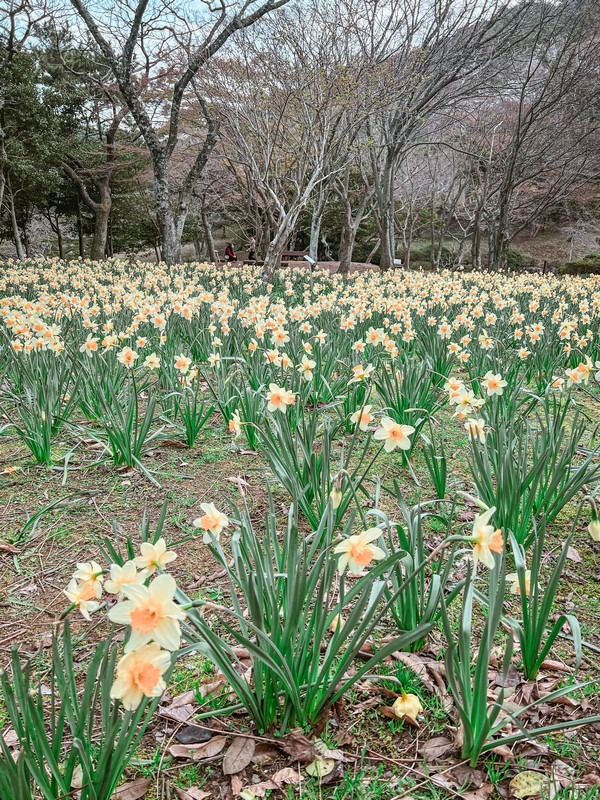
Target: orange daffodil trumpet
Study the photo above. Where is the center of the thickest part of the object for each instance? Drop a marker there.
(494, 384)
(82, 596)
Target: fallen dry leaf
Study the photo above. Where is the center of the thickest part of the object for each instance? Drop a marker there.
(285, 775)
(557, 666)
(183, 699)
(8, 547)
(199, 751)
(238, 755)
(573, 555)
(503, 751)
(10, 737)
(265, 754)
(132, 790)
(512, 678)
(417, 665)
(435, 748)
(209, 688)
(326, 752)
(178, 714)
(527, 784)
(299, 747)
(192, 793)
(236, 785)
(482, 793)
(320, 767)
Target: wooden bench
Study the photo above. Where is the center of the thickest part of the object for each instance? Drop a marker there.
(293, 255)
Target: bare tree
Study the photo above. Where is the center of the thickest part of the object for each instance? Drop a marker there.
(159, 46)
(436, 53)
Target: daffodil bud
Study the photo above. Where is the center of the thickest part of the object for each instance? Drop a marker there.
(335, 497)
(336, 623)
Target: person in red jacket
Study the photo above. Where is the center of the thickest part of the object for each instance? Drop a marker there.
(230, 252)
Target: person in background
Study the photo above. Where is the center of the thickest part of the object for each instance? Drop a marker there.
(252, 249)
(230, 252)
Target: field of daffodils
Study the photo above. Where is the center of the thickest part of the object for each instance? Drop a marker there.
(328, 537)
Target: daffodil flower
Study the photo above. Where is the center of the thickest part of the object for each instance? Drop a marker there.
(154, 556)
(151, 614)
(139, 674)
(358, 551)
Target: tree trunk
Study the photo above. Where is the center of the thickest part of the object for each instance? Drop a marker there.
(59, 238)
(274, 252)
(171, 242)
(14, 225)
(371, 255)
(80, 232)
(345, 249)
(102, 216)
(210, 242)
(109, 241)
(347, 239)
(198, 245)
(386, 217)
(315, 224)
(315, 233)
(476, 242)
(3, 160)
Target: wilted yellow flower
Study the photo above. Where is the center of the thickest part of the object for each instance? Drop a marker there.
(407, 705)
